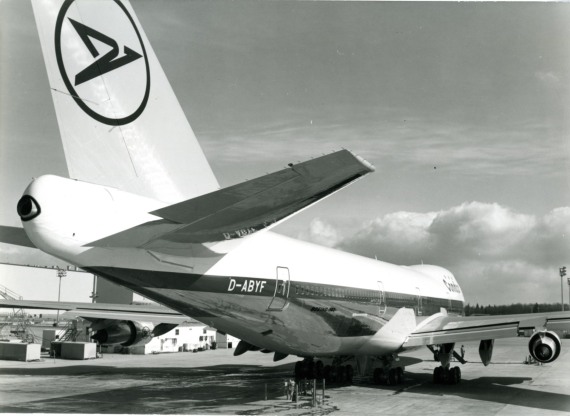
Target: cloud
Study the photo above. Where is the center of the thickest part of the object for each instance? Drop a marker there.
(548, 77)
(498, 255)
(391, 137)
(322, 233)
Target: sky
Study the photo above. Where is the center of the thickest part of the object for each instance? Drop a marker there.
(462, 107)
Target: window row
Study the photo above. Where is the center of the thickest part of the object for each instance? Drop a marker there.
(337, 292)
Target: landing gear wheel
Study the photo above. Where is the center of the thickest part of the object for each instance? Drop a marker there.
(443, 375)
(349, 374)
(438, 375)
(457, 374)
(319, 370)
(378, 375)
(399, 375)
(392, 377)
(334, 374)
(310, 370)
(341, 375)
(327, 372)
(299, 370)
(451, 377)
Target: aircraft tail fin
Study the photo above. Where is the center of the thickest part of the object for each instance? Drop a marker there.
(120, 122)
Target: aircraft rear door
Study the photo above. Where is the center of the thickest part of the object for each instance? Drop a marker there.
(382, 299)
(419, 308)
(281, 294)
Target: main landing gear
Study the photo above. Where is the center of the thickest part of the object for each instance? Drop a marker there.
(389, 377)
(336, 373)
(446, 375)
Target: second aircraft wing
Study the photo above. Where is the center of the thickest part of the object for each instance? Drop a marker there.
(147, 313)
(442, 329)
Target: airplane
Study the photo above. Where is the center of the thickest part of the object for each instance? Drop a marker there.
(143, 209)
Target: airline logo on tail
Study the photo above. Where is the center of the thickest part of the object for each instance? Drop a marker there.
(107, 62)
(102, 66)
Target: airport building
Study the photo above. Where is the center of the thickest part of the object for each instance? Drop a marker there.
(191, 336)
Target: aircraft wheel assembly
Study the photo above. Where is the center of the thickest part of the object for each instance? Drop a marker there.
(349, 374)
(443, 375)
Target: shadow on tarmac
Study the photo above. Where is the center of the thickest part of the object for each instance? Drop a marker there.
(165, 389)
(492, 389)
(86, 369)
(212, 389)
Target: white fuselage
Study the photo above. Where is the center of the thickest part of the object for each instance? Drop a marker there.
(275, 292)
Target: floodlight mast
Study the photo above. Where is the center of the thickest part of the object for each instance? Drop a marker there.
(568, 290)
(562, 271)
(60, 273)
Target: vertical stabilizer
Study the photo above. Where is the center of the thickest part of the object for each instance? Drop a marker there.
(120, 122)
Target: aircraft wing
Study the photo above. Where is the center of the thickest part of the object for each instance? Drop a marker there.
(144, 313)
(443, 329)
(245, 208)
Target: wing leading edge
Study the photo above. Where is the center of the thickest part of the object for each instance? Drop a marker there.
(245, 208)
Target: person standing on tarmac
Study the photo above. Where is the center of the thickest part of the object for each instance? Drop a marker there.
(287, 389)
(292, 390)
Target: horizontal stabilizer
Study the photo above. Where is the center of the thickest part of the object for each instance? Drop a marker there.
(248, 207)
(16, 236)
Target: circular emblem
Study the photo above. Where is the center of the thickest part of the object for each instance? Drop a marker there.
(102, 60)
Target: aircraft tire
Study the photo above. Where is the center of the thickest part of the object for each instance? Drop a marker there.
(299, 370)
(392, 377)
(452, 377)
(341, 374)
(310, 370)
(457, 374)
(399, 375)
(319, 370)
(377, 375)
(349, 374)
(327, 373)
(438, 375)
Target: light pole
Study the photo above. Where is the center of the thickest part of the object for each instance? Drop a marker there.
(94, 293)
(569, 290)
(60, 273)
(562, 274)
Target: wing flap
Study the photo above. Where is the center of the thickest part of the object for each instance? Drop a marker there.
(243, 209)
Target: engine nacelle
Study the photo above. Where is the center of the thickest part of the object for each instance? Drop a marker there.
(544, 346)
(486, 350)
(128, 333)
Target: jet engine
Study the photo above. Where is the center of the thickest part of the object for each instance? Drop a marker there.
(486, 350)
(127, 333)
(544, 346)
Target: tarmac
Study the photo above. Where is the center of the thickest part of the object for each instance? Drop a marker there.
(215, 382)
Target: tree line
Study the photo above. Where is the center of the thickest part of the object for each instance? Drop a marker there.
(512, 309)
